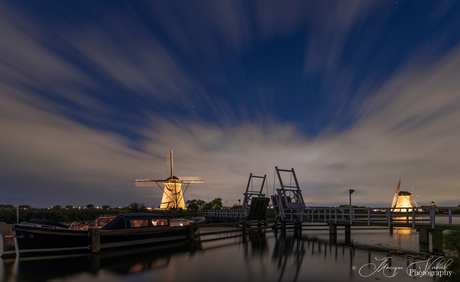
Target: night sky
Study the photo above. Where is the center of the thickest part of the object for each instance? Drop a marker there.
(351, 94)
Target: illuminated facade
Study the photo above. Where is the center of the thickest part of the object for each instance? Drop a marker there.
(403, 200)
(173, 197)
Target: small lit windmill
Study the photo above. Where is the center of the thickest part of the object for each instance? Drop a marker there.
(173, 197)
(403, 199)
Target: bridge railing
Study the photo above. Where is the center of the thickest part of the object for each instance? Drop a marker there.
(411, 216)
(233, 213)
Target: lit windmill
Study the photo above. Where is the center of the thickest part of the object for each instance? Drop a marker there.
(173, 197)
(403, 199)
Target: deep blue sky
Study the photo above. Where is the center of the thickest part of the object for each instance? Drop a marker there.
(352, 94)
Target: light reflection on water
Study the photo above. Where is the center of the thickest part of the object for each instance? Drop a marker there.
(261, 256)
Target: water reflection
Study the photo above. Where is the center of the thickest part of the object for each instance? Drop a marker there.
(119, 262)
(288, 248)
(258, 256)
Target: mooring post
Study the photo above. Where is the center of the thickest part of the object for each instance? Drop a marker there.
(95, 263)
(245, 228)
(95, 240)
(191, 231)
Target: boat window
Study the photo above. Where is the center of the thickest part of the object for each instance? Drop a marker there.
(101, 221)
(139, 223)
(159, 222)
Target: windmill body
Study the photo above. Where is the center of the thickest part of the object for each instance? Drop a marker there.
(173, 196)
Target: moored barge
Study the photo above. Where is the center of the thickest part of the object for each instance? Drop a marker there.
(104, 232)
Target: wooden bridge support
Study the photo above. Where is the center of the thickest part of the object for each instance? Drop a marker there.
(332, 233)
(332, 229)
(298, 229)
(424, 240)
(424, 236)
(437, 240)
(347, 234)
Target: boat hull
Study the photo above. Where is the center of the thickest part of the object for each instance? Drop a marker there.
(33, 239)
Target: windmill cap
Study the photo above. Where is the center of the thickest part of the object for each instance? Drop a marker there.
(172, 178)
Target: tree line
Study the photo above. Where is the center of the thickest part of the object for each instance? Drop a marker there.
(8, 213)
(197, 204)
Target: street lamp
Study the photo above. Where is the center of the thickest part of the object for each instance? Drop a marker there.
(239, 202)
(351, 192)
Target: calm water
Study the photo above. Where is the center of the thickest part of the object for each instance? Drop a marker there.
(262, 256)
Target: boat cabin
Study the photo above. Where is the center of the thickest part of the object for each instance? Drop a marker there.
(128, 221)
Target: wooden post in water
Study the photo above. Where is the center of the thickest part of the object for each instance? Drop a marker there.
(191, 231)
(95, 240)
(244, 227)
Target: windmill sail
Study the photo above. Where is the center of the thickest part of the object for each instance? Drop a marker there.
(147, 182)
(395, 198)
(191, 179)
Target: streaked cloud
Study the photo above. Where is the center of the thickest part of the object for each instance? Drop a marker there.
(59, 143)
